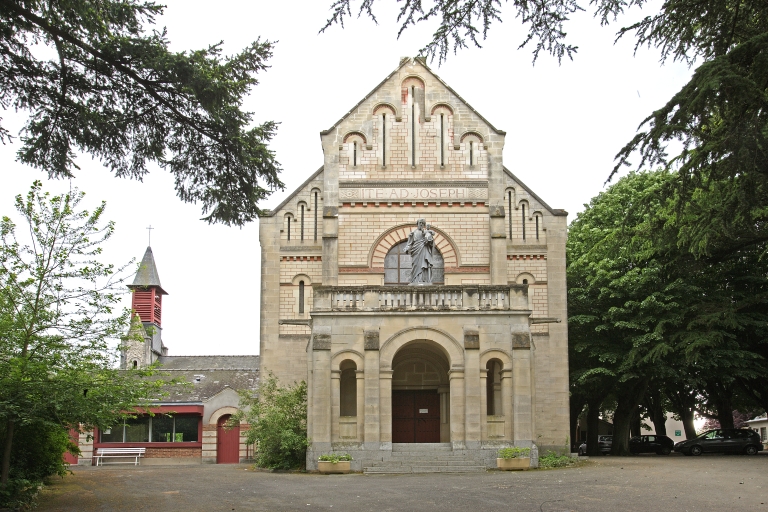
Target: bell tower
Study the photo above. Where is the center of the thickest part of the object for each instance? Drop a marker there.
(147, 308)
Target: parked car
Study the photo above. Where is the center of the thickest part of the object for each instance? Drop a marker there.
(722, 440)
(661, 445)
(605, 443)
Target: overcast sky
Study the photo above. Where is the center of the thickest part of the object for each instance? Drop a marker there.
(564, 123)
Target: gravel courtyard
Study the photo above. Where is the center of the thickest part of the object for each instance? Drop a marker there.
(642, 483)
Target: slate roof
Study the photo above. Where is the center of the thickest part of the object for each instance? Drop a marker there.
(147, 274)
(209, 375)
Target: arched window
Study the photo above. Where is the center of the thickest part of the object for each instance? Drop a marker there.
(397, 266)
(348, 385)
(301, 297)
(493, 388)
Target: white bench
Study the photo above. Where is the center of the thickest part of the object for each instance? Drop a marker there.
(119, 453)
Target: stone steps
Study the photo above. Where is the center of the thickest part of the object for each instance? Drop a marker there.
(424, 458)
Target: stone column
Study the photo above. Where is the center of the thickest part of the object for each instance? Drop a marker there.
(456, 379)
(445, 413)
(335, 405)
(472, 399)
(371, 410)
(507, 404)
(483, 404)
(330, 211)
(498, 224)
(521, 394)
(360, 388)
(321, 399)
(385, 406)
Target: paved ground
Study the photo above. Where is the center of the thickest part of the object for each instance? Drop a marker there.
(644, 483)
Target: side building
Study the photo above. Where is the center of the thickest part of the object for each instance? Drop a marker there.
(188, 425)
(449, 332)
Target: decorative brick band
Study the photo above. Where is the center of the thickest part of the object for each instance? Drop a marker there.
(301, 258)
(526, 256)
(380, 270)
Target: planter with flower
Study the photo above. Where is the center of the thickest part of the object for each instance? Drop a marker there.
(334, 463)
(513, 458)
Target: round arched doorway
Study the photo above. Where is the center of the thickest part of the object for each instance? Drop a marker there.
(420, 394)
(227, 442)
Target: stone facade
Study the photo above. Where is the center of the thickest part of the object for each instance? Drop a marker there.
(486, 347)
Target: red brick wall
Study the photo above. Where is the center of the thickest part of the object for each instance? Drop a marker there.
(163, 453)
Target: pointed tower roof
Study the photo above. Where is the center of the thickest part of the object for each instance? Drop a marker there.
(147, 275)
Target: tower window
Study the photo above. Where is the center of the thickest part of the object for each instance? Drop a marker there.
(302, 223)
(471, 153)
(537, 227)
(413, 126)
(315, 216)
(354, 154)
(301, 297)
(442, 140)
(383, 140)
(523, 222)
(510, 213)
(289, 228)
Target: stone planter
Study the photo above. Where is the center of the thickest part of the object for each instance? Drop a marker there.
(517, 464)
(327, 468)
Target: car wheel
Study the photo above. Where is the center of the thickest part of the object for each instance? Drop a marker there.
(751, 450)
(666, 450)
(696, 450)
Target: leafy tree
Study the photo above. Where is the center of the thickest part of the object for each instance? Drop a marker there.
(113, 89)
(58, 314)
(278, 423)
(647, 315)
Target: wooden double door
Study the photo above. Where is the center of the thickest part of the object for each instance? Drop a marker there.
(415, 416)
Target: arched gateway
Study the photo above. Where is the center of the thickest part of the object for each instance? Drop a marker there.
(400, 304)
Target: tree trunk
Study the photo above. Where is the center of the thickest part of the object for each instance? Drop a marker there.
(593, 424)
(656, 413)
(577, 405)
(627, 407)
(6, 464)
(688, 423)
(636, 425)
(725, 418)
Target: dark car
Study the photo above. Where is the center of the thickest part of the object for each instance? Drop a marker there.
(661, 445)
(605, 443)
(722, 440)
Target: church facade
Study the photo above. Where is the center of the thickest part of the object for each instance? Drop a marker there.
(417, 285)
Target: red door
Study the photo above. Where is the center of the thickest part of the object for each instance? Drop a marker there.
(74, 436)
(415, 416)
(227, 442)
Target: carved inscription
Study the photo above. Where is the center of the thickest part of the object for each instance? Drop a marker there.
(414, 194)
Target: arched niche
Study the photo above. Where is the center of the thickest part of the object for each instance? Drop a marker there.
(451, 348)
(395, 235)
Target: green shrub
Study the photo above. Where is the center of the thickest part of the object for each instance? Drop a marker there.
(553, 460)
(37, 454)
(335, 457)
(278, 420)
(514, 452)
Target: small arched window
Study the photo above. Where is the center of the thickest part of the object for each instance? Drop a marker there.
(135, 364)
(397, 266)
(301, 297)
(493, 388)
(348, 389)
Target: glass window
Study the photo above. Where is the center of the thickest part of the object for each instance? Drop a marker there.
(162, 429)
(397, 266)
(186, 429)
(137, 430)
(112, 435)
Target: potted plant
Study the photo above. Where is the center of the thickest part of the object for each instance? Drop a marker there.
(513, 458)
(334, 463)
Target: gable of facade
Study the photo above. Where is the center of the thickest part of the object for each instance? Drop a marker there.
(481, 340)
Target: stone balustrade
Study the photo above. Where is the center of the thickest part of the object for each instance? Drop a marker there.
(420, 298)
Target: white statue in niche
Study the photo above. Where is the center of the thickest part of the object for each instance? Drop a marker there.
(421, 243)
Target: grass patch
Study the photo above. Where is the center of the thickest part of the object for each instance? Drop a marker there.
(552, 460)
